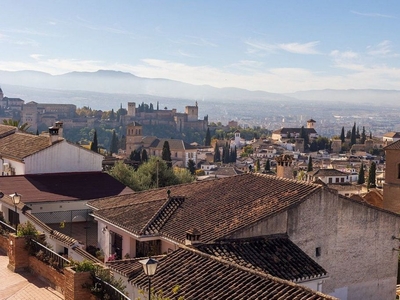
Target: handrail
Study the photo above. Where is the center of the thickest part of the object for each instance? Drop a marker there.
(7, 227)
(53, 258)
(103, 287)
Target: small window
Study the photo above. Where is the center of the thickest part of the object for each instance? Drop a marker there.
(398, 171)
(318, 251)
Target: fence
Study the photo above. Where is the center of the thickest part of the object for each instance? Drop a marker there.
(67, 216)
(49, 256)
(102, 288)
(7, 228)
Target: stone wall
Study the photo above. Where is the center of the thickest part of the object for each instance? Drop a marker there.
(4, 243)
(355, 245)
(70, 283)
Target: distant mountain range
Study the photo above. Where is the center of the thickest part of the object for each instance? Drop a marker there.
(125, 84)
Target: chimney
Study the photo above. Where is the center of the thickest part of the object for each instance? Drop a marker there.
(284, 166)
(59, 125)
(53, 133)
(192, 237)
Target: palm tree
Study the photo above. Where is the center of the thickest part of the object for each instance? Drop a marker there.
(21, 127)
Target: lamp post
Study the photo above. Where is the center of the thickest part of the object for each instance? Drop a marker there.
(149, 268)
(16, 198)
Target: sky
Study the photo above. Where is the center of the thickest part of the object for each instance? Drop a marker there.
(275, 46)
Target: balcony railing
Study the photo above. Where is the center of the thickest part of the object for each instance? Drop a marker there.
(102, 288)
(7, 228)
(49, 256)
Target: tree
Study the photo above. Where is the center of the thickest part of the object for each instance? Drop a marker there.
(94, 146)
(114, 143)
(207, 141)
(372, 176)
(310, 165)
(258, 167)
(135, 155)
(342, 137)
(304, 135)
(361, 175)
(267, 166)
(21, 127)
(363, 136)
(217, 154)
(353, 138)
(145, 157)
(151, 174)
(166, 154)
(191, 165)
(370, 135)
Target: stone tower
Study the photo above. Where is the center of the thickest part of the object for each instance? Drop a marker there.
(134, 135)
(311, 123)
(131, 109)
(1, 94)
(192, 113)
(284, 166)
(391, 187)
(237, 139)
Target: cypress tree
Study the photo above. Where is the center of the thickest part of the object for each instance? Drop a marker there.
(217, 155)
(309, 166)
(363, 136)
(94, 146)
(114, 143)
(342, 137)
(166, 154)
(372, 176)
(258, 167)
(353, 138)
(207, 141)
(361, 175)
(145, 157)
(267, 166)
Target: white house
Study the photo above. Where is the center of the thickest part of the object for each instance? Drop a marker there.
(23, 153)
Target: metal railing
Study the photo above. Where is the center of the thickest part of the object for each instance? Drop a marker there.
(49, 256)
(7, 228)
(102, 288)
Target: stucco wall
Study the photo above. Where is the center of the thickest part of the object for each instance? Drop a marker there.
(63, 157)
(355, 242)
(275, 224)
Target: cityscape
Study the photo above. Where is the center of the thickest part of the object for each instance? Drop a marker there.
(186, 150)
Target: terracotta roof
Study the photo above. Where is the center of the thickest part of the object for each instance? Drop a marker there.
(63, 186)
(327, 172)
(201, 276)
(275, 255)
(285, 130)
(393, 146)
(392, 134)
(216, 207)
(6, 130)
(174, 144)
(20, 145)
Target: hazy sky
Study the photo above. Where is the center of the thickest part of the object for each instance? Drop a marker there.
(276, 46)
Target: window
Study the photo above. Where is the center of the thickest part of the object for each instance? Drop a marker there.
(330, 180)
(318, 251)
(337, 179)
(398, 171)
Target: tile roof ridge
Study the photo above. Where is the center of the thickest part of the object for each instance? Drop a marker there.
(158, 220)
(252, 271)
(302, 182)
(248, 239)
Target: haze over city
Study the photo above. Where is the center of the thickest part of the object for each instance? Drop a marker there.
(273, 46)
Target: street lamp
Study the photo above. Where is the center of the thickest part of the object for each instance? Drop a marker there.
(16, 198)
(149, 268)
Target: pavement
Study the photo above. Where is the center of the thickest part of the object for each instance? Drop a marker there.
(23, 286)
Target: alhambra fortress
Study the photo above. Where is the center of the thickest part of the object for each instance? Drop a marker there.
(46, 114)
